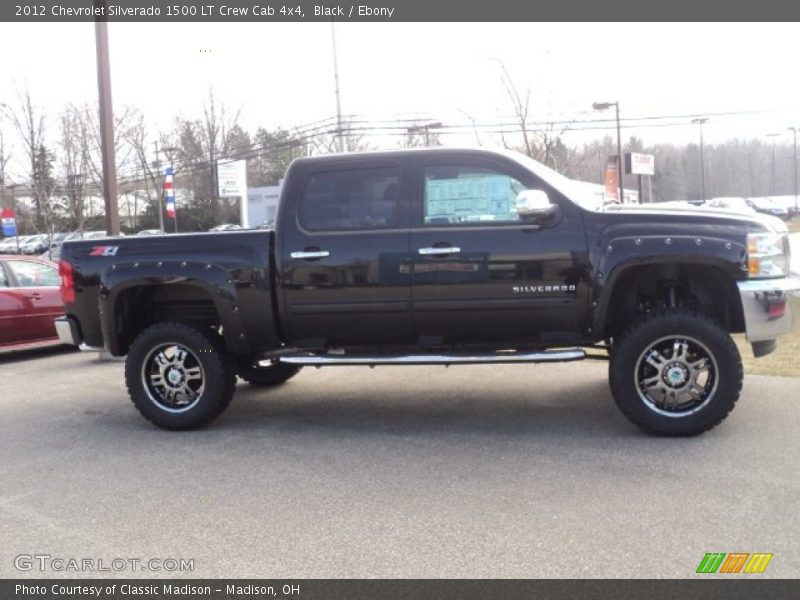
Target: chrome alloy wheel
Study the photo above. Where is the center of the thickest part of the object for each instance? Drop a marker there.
(173, 377)
(676, 376)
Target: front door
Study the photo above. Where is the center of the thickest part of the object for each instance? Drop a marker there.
(480, 272)
(345, 258)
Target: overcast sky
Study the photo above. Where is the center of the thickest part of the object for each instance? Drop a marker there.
(282, 75)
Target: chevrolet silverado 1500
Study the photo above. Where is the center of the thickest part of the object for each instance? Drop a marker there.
(438, 256)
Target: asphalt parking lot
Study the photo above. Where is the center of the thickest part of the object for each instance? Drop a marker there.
(480, 471)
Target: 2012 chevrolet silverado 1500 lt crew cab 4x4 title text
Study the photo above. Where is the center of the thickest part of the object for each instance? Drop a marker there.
(438, 256)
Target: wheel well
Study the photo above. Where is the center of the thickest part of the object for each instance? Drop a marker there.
(139, 307)
(648, 287)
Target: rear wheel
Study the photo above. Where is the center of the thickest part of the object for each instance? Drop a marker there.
(275, 373)
(179, 376)
(675, 372)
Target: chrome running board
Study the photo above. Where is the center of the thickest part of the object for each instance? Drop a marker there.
(436, 359)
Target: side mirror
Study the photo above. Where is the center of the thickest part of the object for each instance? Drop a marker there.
(534, 204)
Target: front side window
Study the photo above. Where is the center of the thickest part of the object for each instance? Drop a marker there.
(461, 195)
(33, 274)
(355, 199)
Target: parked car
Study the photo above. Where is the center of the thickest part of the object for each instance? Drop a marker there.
(29, 302)
(10, 245)
(790, 203)
(439, 256)
(768, 207)
(36, 244)
(226, 227)
(678, 204)
(732, 204)
(150, 232)
(54, 254)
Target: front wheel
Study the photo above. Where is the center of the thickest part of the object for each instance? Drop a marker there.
(179, 376)
(675, 372)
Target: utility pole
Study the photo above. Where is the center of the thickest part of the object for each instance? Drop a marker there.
(161, 194)
(426, 129)
(339, 138)
(106, 123)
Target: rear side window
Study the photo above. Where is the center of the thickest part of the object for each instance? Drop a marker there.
(3, 278)
(34, 274)
(355, 199)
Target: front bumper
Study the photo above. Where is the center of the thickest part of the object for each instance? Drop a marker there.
(68, 331)
(771, 307)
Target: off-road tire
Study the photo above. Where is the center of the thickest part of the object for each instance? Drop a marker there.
(208, 352)
(646, 331)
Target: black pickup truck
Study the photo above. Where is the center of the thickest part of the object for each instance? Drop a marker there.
(438, 256)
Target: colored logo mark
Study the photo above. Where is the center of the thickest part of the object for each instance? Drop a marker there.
(734, 562)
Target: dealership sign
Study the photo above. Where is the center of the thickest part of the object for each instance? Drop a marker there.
(9, 222)
(640, 164)
(232, 178)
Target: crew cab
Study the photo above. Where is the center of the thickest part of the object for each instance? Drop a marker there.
(438, 256)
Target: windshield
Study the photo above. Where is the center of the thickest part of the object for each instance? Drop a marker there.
(574, 190)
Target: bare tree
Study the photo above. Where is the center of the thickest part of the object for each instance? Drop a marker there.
(29, 122)
(138, 139)
(539, 142)
(520, 103)
(5, 158)
(90, 127)
(213, 132)
(73, 161)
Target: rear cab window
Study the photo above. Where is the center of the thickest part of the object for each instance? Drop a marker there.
(351, 199)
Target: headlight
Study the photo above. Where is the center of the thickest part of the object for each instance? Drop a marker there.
(767, 254)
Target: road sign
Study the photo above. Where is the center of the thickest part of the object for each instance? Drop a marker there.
(640, 164)
(9, 222)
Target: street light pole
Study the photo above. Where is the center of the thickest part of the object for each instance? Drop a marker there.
(702, 157)
(606, 106)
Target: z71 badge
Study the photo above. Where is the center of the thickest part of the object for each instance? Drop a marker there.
(544, 288)
(104, 251)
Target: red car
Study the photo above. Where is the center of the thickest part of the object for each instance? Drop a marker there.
(29, 301)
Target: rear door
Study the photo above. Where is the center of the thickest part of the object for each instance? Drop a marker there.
(483, 275)
(12, 308)
(344, 261)
(36, 283)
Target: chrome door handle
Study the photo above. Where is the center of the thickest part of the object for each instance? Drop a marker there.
(437, 250)
(314, 254)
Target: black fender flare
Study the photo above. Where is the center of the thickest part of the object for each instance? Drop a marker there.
(618, 255)
(212, 279)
